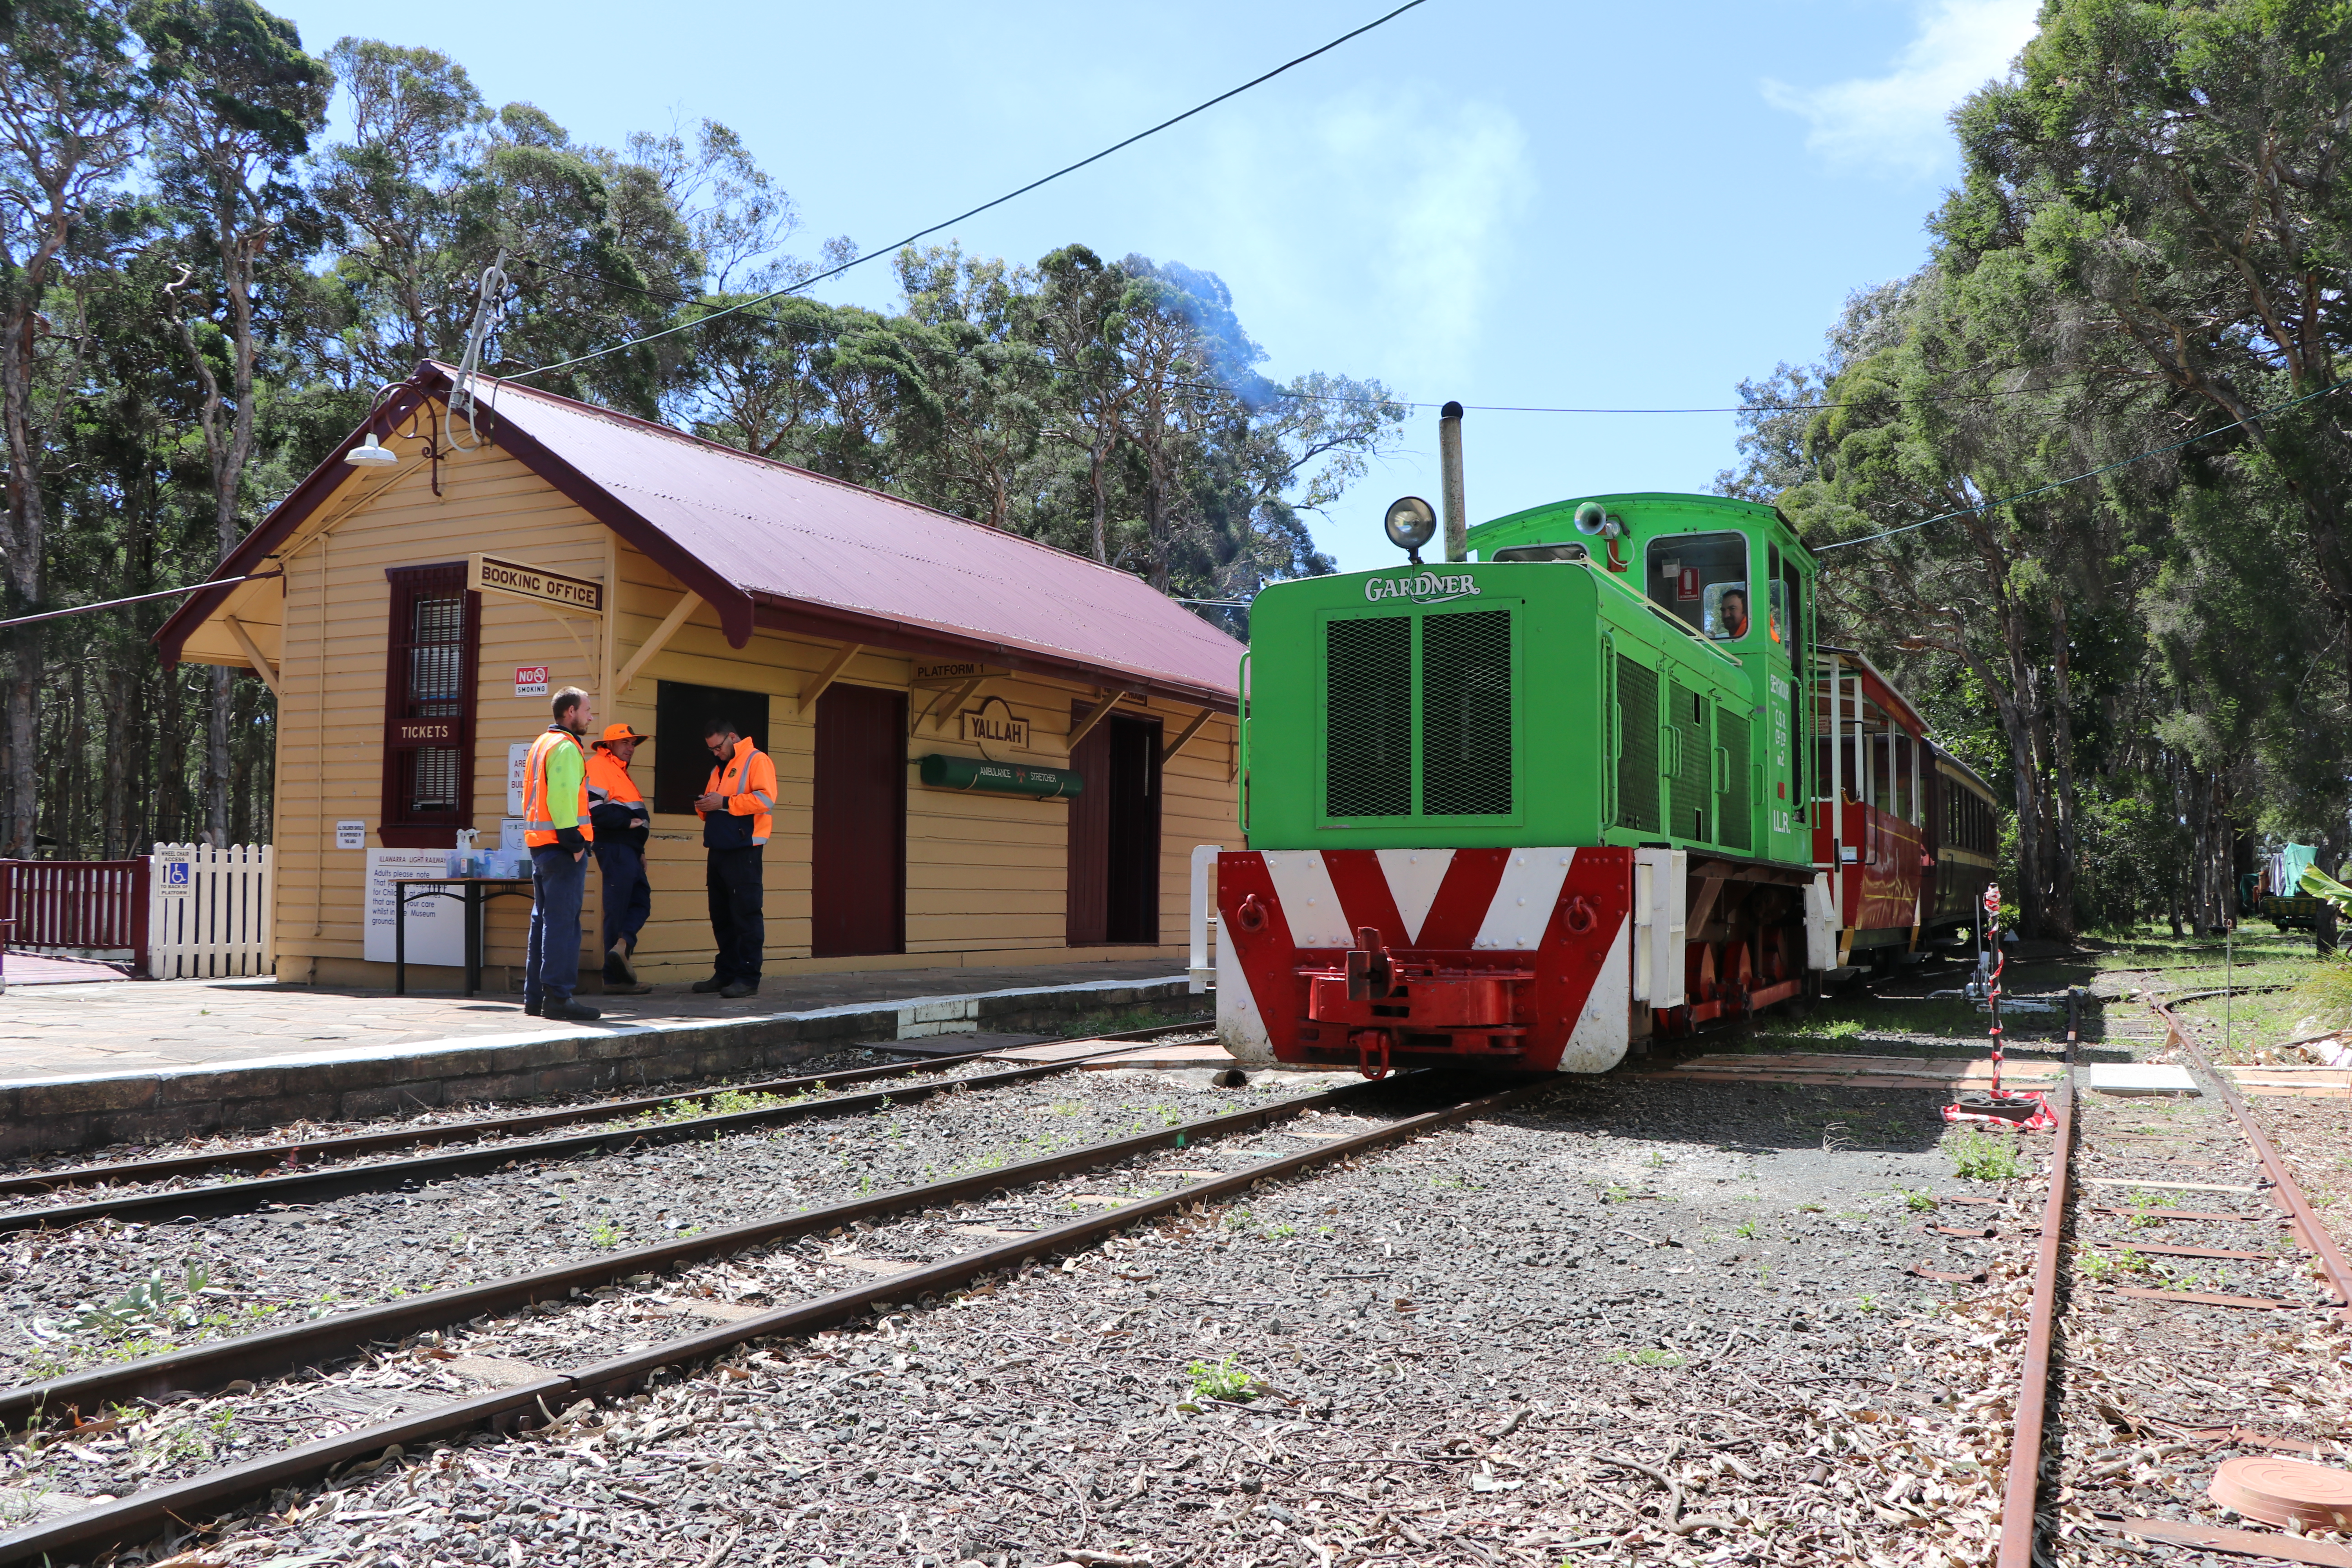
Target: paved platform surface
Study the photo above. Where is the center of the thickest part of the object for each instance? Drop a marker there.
(33, 969)
(77, 1031)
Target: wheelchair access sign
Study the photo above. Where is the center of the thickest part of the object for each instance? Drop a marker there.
(176, 874)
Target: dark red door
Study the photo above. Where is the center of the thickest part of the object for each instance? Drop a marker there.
(1089, 837)
(857, 850)
(1114, 855)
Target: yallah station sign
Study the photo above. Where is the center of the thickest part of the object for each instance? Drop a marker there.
(492, 575)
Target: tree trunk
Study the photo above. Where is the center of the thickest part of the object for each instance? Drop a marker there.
(28, 648)
(2065, 844)
(221, 707)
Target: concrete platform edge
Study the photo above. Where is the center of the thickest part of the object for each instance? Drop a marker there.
(51, 1115)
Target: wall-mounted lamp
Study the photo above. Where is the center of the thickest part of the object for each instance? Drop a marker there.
(372, 455)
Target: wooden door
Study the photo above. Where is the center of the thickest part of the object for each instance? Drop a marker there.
(1131, 883)
(1114, 848)
(857, 850)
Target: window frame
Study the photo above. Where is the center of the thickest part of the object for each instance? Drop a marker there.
(398, 827)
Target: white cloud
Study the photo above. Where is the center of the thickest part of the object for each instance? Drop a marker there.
(1897, 121)
(1373, 223)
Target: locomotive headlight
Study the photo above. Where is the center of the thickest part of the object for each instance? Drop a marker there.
(1410, 523)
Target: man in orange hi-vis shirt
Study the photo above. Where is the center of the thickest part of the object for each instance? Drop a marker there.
(737, 808)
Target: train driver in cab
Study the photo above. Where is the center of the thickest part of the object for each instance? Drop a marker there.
(1730, 622)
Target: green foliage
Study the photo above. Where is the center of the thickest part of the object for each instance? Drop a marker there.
(1222, 1380)
(242, 278)
(2149, 665)
(2327, 990)
(1659, 1359)
(1981, 1156)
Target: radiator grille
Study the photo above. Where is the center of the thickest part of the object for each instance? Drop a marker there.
(1731, 802)
(1466, 714)
(1694, 781)
(1368, 717)
(1637, 747)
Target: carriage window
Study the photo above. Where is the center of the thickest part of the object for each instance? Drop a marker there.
(1703, 578)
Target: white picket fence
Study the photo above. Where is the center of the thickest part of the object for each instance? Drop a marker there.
(209, 911)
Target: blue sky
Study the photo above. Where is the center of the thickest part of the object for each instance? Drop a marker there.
(1503, 204)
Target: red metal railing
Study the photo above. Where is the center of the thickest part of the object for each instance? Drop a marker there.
(77, 903)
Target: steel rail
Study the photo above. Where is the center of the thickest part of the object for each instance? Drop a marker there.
(2284, 1190)
(146, 1514)
(123, 1172)
(342, 1180)
(2021, 1493)
(272, 1353)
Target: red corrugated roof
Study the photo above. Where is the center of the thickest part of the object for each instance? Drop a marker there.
(787, 539)
(790, 537)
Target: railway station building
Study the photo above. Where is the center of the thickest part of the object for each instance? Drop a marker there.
(989, 751)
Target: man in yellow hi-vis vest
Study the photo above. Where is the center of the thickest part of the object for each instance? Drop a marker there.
(556, 828)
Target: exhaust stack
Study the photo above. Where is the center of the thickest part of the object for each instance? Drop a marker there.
(1449, 460)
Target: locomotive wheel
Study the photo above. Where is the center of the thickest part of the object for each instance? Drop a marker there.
(1699, 972)
(1739, 975)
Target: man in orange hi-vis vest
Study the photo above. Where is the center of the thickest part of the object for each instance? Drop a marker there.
(737, 808)
(556, 828)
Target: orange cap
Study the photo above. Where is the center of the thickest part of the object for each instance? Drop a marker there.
(619, 732)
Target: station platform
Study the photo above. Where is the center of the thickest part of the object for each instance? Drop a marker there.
(88, 1065)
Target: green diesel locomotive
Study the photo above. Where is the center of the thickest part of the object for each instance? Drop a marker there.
(1600, 782)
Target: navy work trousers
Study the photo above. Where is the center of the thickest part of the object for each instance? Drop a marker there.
(552, 966)
(733, 880)
(628, 897)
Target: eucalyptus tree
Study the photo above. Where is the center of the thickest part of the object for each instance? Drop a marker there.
(2177, 171)
(233, 105)
(390, 191)
(69, 93)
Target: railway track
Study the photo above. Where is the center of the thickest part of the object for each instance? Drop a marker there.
(2111, 1246)
(246, 1360)
(276, 1160)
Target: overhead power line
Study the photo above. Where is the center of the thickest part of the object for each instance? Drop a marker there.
(2078, 479)
(984, 206)
(1724, 408)
(143, 598)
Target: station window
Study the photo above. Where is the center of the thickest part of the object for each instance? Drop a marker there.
(1703, 578)
(681, 762)
(432, 648)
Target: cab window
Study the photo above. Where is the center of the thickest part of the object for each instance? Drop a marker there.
(1703, 578)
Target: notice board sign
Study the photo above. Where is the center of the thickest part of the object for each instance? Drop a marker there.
(437, 927)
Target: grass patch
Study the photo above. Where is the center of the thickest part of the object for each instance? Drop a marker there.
(1985, 1156)
(1124, 1020)
(1222, 1380)
(1650, 1358)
